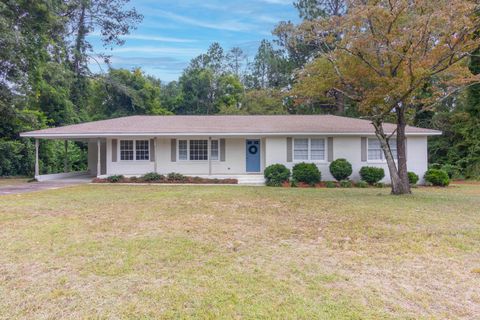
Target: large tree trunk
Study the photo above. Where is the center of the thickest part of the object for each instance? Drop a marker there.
(398, 186)
(402, 150)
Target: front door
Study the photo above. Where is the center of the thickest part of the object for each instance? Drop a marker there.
(253, 155)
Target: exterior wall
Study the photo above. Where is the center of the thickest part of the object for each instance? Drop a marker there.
(273, 150)
(234, 164)
(349, 147)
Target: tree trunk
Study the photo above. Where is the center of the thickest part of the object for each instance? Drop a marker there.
(401, 150)
(398, 187)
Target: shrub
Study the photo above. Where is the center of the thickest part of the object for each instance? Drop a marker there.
(379, 185)
(346, 184)
(152, 176)
(276, 175)
(412, 177)
(453, 171)
(372, 175)
(340, 169)
(306, 172)
(115, 178)
(176, 177)
(437, 177)
(330, 184)
(361, 184)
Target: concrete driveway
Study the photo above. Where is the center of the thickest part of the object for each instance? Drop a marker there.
(45, 185)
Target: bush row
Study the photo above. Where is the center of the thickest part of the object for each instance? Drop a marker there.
(172, 177)
(308, 173)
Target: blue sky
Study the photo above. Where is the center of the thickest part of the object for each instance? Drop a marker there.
(173, 32)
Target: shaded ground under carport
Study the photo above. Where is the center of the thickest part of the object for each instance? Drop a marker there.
(44, 185)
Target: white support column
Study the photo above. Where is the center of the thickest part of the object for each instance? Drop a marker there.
(99, 163)
(209, 156)
(155, 155)
(37, 165)
(65, 160)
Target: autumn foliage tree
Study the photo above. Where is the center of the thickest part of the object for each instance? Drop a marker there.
(389, 57)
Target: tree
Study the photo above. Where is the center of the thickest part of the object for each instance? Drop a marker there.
(122, 92)
(314, 9)
(268, 101)
(269, 69)
(387, 53)
(235, 60)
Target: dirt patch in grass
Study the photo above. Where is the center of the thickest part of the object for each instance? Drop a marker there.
(98, 251)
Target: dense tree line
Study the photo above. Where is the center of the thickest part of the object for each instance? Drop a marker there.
(45, 81)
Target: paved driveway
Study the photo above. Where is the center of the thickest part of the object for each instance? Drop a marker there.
(45, 185)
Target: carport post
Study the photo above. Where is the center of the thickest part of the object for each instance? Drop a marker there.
(99, 163)
(37, 168)
(65, 160)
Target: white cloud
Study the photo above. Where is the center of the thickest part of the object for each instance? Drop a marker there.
(164, 50)
(157, 38)
(228, 25)
(281, 2)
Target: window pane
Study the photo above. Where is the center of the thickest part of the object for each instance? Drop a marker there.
(214, 150)
(198, 149)
(182, 150)
(126, 149)
(142, 150)
(375, 152)
(317, 149)
(300, 149)
(393, 146)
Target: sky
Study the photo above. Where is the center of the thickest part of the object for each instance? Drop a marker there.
(174, 32)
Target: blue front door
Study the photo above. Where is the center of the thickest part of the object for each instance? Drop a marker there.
(253, 155)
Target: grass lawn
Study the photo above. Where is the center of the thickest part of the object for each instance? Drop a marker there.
(111, 251)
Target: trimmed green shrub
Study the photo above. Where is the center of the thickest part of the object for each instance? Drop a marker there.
(176, 177)
(372, 175)
(437, 177)
(115, 178)
(412, 177)
(276, 175)
(330, 184)
(152, 176)
(341, 169)
(361, 184)
(306, 172)
(346, 184)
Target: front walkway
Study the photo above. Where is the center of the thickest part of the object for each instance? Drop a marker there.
(44, 185)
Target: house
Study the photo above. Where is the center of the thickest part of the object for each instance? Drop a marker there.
(231, 146)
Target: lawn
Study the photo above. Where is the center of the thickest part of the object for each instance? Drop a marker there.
(111, 251)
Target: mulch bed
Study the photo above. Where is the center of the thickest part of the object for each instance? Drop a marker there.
(185, 180)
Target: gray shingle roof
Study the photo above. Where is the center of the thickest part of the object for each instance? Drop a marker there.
(217, 125)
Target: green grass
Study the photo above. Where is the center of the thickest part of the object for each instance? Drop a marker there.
(192, 252)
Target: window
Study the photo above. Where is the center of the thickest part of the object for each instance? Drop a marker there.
(317, 149)
(300, 149)
(197, 150)
(308, 149)
(141, 150)
(182, 150)
(141, 147)
(214, 150)
(375, 152)
(126, 149)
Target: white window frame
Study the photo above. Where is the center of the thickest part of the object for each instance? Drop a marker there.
(309, 150)
(119, 153)
(393, 146)
(209, 153)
